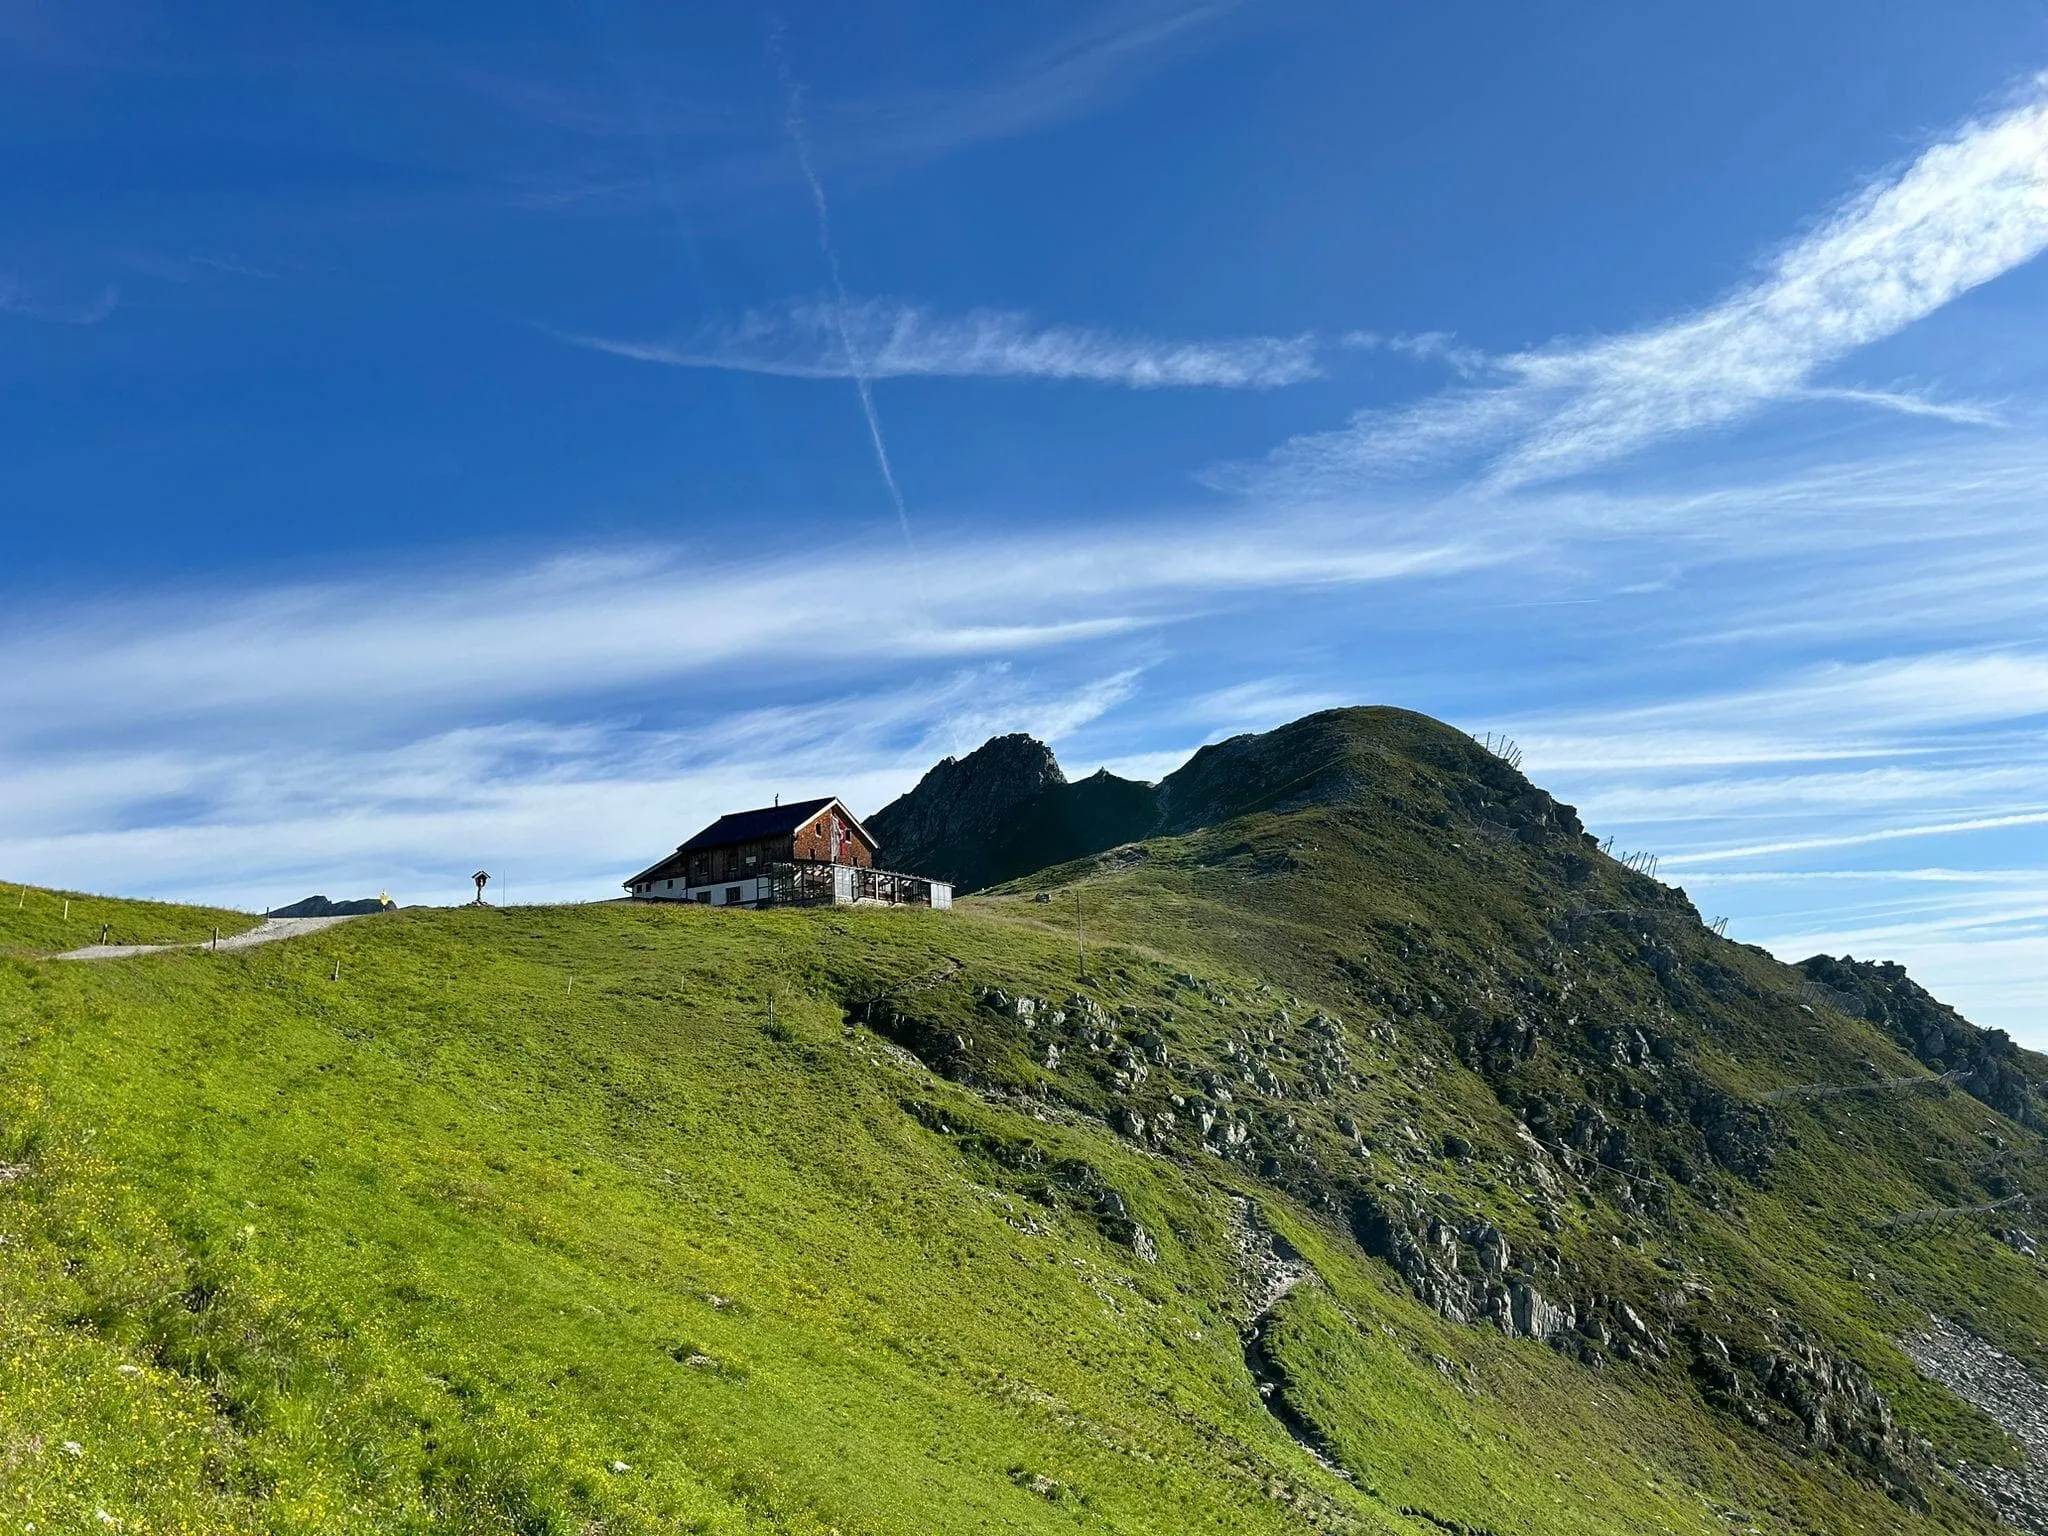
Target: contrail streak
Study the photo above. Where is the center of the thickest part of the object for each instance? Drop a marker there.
(793, 123)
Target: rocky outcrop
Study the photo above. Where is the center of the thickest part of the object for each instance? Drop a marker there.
(943, 828)
(1005, 810)
(1990, 1065)
(1788, 1384)
(1470, 1274)
(1072, 821)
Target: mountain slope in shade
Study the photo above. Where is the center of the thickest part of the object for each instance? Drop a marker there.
(1004, 810)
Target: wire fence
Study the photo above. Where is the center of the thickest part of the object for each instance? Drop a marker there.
(1502, 747)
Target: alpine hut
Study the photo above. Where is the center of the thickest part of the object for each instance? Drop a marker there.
(806, 853)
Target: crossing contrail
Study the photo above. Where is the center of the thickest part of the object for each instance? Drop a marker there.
(799, 136)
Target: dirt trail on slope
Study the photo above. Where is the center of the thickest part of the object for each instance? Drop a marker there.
(269, 931)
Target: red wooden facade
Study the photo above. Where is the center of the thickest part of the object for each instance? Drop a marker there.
(747, 843)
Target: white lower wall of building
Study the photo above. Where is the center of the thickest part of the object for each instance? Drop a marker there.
(756, 889)
(727, 893)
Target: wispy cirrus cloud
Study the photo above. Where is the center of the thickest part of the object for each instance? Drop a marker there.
(393, 651)
(1080, 70)
(2032, 818)
(889, 340)
(1425, 346)
(1969, 208)
(1055, 78)
(557, 811)
(1894, 697)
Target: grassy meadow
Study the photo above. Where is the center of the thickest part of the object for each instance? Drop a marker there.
(537, 1220)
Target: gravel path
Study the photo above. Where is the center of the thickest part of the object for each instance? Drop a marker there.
(1992, 1380)
(269, 931)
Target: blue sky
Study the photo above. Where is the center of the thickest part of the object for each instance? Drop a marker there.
(509, 436)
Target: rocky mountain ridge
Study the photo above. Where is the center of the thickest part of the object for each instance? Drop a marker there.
(1617, 1036)
(1007, 809)
(1004, 810)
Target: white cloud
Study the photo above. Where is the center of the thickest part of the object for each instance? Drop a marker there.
(1825, 789)
(1063, 77)
(322, 657)
(1926, 876)
(1425, 346)
(1823, 762)
(1829, 710)
(1111, 51)
(555, 811)
(1970, 208)
(1260, 704)
(1688, 861)
(1909, 403)
(883, 339)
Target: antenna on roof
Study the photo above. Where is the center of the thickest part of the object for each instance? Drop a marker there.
(778, 799)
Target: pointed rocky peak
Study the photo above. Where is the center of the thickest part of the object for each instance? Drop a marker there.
(964, 805)
(1016, 762)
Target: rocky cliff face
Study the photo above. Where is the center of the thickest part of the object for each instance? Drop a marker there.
(2011, 1080)
(944, 827)
(1005, 810)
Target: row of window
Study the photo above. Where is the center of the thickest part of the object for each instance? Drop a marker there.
(702, 898)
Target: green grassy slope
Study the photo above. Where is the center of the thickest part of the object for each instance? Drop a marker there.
(39, 922)
(624, 1219)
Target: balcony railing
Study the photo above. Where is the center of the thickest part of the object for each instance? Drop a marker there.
(807, 884)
